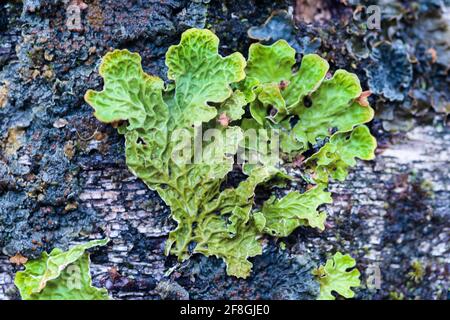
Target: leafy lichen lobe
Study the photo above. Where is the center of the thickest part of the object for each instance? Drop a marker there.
(212, 92)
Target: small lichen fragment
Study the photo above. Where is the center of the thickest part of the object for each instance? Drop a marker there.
(337, 275)
(60, 275)
(283, 216)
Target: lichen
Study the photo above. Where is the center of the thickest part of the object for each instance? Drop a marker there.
(161, 122)
(390, 73)
(418, 272)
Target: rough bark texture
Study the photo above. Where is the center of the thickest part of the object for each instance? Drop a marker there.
(63, 177)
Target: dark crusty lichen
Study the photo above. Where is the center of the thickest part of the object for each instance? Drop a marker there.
(276, 275)
(389, 72)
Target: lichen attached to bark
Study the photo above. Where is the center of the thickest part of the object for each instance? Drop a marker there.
(161, 121)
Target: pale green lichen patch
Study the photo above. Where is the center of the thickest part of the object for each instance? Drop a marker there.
(212, 222)
(201, 75)
(322, 106)
(283, 216)
(231, 96)
(337, 155)
(60, 275)
(338, 275)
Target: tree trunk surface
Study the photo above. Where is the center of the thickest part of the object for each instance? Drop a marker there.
(389, 212)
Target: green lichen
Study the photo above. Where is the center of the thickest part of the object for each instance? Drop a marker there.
(394, 295)
(210, 92)
(418, 271)
(320, 106)
(337, 275)
(60, 275)
(337, 155)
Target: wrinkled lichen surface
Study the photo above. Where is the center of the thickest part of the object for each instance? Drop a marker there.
(63, 178)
